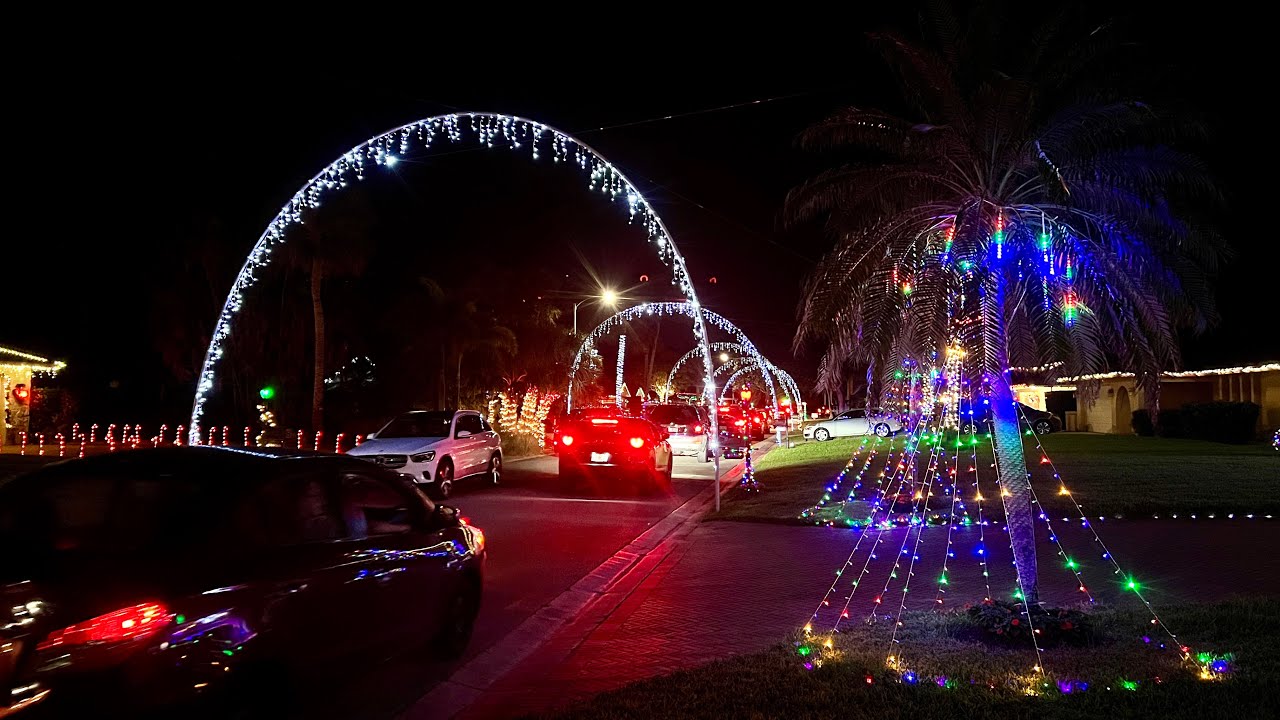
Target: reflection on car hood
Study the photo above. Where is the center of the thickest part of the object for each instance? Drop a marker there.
(405, 446)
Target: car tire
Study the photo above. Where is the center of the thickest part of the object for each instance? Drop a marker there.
(460, 620)
(442, 488)
(1042, 427)
(495, 469)
(671, 470)
(967, 429)
(822, 434)
(706, 453)
(882, 430)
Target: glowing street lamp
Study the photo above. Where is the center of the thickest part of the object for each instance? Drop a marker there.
(607, 296)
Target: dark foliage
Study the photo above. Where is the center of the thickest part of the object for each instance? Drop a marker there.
(1142, 424)
(1169, 424)
(1009, 624)
(1229, 422)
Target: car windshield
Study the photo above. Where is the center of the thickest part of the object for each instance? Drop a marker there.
(673, 415)
(418, 424)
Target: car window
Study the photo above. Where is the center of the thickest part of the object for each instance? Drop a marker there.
(852, 414)
(418, 424)
(373, 506)
(673, 415)
(470, 423)
(484, 425)
(285, 511)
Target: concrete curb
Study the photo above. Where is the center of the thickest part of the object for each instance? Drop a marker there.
(594, 596)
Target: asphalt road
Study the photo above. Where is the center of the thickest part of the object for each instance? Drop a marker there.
(541, 540)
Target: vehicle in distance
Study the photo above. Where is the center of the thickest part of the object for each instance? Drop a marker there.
(688, 431)
(437, 448)
(207, 576)
(977, 418)
(613, 453)
(852, 423)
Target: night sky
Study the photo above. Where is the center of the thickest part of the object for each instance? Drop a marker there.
(127, 151)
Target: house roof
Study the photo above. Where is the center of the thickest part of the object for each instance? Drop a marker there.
(18, 358)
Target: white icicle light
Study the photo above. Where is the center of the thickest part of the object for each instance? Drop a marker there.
(385, 150)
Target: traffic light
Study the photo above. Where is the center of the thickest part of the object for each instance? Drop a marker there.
(21, 393)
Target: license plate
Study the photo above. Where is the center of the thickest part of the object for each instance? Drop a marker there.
(600, 457)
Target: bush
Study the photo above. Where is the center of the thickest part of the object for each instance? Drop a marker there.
(1142, 424)
(1169, 424)
(517, 446)
(1007, 622)
(1229, 422)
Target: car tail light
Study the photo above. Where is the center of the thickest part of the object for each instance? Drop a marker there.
(123, 624)
(697, 429)
(567, 440)
(740, 423)
(637, 443)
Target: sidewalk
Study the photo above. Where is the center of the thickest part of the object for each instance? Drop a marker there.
(734, 588)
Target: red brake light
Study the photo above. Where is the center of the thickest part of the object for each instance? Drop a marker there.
(637, 443)
(697, 428)
(123, 624)
(567, 440)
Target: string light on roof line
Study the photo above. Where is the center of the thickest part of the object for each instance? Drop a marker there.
(493, 130)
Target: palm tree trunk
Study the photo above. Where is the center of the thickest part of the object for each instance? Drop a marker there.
(1011, 464)
(317, 317)
(458, 389)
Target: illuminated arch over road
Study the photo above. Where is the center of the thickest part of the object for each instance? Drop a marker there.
(384, 151)
(688, 309)
(788, 383)
(745, 364)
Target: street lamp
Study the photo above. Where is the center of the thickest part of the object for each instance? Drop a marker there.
(608, 297)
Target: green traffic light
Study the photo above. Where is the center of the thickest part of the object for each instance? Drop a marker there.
(267, 392)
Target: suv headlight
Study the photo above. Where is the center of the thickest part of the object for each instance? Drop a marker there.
(427, 456)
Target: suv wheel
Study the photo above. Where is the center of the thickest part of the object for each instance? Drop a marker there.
(1042, 427)
(822, 434)
(495, 469)
(443, 486)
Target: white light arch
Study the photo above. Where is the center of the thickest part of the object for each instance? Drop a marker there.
(716, 347)
(674, 308)
(385, 150)
(747, 363)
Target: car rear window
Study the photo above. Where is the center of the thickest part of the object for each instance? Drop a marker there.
(673, 415)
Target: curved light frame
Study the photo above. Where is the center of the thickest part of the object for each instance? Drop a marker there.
(715, 347)
(784, 378)
(488, 129)
(700, 315)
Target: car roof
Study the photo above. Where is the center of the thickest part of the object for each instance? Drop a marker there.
(229, 463)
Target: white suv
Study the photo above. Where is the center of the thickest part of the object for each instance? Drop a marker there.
(435, 448)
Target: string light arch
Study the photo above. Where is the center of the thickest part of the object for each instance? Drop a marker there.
(701, 317)
(493, 130)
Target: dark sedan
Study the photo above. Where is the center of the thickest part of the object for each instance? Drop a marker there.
(614, 451)
(978, 416)
(194, 575)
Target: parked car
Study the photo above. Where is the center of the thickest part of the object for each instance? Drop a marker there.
(204, 575)
(853, 422)
(613, 451)
(688, 430)
(437, 448)
(977, 418)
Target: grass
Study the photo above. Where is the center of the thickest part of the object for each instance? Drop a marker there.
(775, 683)
(1112, 475)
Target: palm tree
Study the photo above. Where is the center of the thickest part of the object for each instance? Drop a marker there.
(333, 243)
(1012, 213)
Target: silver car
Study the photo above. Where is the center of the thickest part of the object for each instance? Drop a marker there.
(853, 422)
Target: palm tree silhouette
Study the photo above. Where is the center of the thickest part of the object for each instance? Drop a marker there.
(1015, 211)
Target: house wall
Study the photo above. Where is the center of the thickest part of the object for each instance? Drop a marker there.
(1260, 388)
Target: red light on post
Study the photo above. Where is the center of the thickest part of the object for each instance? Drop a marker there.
(21, 393)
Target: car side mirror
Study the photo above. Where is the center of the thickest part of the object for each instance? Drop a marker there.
(462, 434)
(371, 436)
(445, 516)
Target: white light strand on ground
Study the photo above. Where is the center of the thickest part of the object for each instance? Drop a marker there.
(385, 150)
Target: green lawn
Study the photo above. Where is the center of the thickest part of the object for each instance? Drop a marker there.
(1107, 474)
(775, 683)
